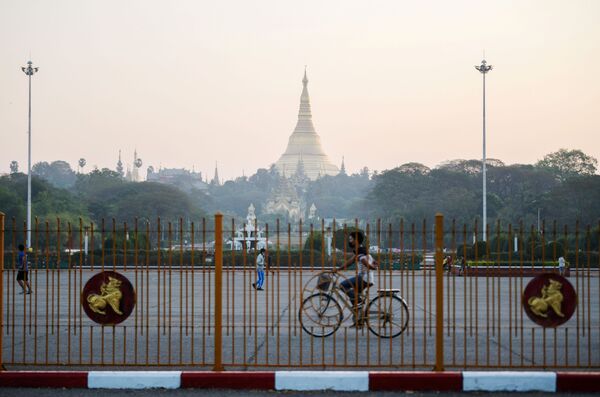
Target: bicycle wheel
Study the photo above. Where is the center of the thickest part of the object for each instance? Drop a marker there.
(387, 316)
(320, 315)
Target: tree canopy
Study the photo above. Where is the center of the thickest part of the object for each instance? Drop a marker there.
(562, 186)
(58, 173)
(566, 164)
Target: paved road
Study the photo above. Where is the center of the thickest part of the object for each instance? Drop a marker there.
(173, 324)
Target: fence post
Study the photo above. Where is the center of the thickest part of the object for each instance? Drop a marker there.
(439, 292)
(1, 286)
(218, 291)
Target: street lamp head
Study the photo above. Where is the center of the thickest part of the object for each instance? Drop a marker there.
(484, 67)
(29, 70)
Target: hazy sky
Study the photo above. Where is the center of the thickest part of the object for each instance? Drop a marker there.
(189, 83)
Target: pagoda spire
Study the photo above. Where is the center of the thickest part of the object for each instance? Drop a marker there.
(305, 124)
(343, 167)
(120, 165)
(215, 180)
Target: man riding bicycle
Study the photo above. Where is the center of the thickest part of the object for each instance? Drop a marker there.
(354, 286)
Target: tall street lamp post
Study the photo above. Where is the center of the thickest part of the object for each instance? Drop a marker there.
(483, 69)
(29, 71)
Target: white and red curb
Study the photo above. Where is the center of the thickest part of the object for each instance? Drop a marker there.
(134, 380)
(520, 381)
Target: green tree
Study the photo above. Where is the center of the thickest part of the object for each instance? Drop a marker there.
(469, 166)
(414, 169)
(575, 199)
(58, 173)
(98, 181)
(315, 241)
(10, 203)
(49, 204)
(565, 164)
(152, 200)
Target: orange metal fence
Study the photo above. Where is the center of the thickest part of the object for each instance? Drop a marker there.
(195, 304)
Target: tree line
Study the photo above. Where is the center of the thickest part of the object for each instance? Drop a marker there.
(562, 187)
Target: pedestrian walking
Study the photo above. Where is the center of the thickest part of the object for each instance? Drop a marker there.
(260, 270)
(23, 271)
(561, 266)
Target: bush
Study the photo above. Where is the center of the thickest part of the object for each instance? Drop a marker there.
(385, 266)
(525, 264)
(315, 241)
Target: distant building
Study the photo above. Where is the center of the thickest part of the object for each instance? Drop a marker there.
(179, 177)
(284, 200)
(132, 174)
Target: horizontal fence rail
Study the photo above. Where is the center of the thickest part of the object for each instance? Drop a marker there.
(195, 304)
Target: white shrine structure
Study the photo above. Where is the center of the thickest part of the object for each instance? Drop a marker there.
(249, 236)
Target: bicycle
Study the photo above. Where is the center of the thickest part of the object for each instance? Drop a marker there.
(386, 315)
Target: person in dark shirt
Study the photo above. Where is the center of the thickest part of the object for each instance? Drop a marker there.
(23, 270)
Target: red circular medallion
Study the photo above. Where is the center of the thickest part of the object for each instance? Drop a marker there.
(108, 298)
(549, 300)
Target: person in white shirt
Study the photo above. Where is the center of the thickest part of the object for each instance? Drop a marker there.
(260, 270)
(561, 266)
(366, 265)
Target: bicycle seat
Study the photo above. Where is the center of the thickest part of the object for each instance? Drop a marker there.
(388, 291)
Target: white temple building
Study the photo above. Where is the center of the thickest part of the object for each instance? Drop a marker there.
(284, 200)
(249, 236)
(304, 145)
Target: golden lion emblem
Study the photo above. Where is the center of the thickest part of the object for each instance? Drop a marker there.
(551, 298)
(109, 294)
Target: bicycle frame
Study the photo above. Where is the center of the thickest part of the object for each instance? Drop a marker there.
(336, 292)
